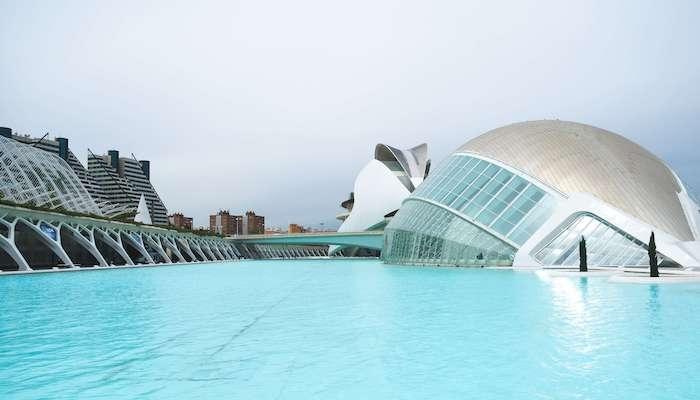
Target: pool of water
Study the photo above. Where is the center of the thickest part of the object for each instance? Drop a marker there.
(344, 330)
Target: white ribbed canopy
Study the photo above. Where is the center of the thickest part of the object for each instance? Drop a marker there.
(578, 158)
(31, 175)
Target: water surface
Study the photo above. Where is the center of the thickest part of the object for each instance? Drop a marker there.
(344, 330)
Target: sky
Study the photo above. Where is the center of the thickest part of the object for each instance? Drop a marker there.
(275, 106)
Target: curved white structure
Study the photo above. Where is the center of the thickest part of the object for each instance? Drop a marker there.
(29, 175)
(383, 184)
(525, 194)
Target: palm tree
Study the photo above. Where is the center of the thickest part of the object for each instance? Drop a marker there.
(583, 258)
(653, 261)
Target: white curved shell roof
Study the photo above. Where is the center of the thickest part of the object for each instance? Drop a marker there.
(31, 175)
(578, 158)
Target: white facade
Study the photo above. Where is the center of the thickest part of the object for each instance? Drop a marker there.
(383, 184)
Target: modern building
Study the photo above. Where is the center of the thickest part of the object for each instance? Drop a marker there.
(48, 218)
(123, 180)
(60, 147)
(178, 220)
(115, 184)
(29, 175)
(381, 186)
(223, 223)
(525, 194)
(253, 224)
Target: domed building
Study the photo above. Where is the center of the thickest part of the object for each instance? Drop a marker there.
(525, 194)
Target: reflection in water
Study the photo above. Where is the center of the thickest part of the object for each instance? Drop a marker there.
(654, 309)
(583, 284)
(567, 296)
(653, 303)
(576, 324)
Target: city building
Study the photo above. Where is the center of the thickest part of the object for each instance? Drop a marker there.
(223, 223)
(295, 228)
(525, 194)
(180, 221)
(253, 224)
(123, 180)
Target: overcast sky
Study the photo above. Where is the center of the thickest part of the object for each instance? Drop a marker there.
(276, 105)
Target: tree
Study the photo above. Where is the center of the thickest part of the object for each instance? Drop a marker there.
(583, 258)
(653, 261)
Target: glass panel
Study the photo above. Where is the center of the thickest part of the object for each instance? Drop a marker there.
(422, 233)
(489, 194)
(606, 245)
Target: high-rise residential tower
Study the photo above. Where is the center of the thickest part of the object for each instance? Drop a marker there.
(123, 180)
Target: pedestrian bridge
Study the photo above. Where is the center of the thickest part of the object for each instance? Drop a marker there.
(369, 239)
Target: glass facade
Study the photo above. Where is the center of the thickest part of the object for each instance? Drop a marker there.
(425, 234)
(606, 245)
(488, 212)
(490, 195)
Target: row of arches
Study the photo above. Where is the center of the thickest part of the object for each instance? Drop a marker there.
(33, 244)
(277, 251)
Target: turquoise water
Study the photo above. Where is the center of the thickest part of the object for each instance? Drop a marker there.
(344, 330)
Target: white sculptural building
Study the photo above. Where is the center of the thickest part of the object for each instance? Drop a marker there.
(381, 186)
(525, 194)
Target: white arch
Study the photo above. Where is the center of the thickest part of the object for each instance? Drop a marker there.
(88, 245)
(117, 246)
(8, 244)
(186, 247)
(156, 245)
(54, 244)
(173, 247)
(137, 244)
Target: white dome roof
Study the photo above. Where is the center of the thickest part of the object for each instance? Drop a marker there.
(577, 158)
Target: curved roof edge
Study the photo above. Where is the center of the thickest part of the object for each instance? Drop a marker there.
(414, 161)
